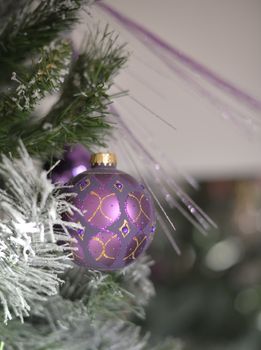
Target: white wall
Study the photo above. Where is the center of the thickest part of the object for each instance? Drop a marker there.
(225, 36)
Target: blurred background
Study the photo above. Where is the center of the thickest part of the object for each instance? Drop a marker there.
(210, 296)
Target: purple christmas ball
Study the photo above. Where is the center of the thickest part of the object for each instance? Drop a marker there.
(75, 160)
(117, 216)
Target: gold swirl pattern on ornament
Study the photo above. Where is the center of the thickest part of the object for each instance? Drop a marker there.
(104, 246)
(140, 206)
(87, 183)
(99, 208)
(138, 244)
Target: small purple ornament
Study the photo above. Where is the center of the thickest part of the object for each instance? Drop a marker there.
(118, 216)
(75, 160)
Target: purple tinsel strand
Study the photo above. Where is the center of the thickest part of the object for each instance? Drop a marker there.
(205, 72)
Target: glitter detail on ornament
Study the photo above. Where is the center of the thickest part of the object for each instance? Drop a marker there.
(125, 228)
(104, 247)
(103, 208)
(118, 186)
(84, 184)
(80, 231)
(138, 209)
(153, 228)
(135, 248)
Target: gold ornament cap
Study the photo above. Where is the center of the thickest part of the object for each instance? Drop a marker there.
(103, 159)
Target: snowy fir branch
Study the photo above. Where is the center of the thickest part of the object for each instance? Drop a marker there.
(74, 330)
(137, 281)
(119, 294)
(27, 26)
(111, 293)
(30, 259)
(79, 327)
(46, 77)
(80, 112)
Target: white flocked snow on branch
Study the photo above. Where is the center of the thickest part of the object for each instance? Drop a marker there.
(30, 226)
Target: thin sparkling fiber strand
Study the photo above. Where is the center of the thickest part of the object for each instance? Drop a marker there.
(200, 69)
(226, 110)
(141, 104)
(205, 222)
(162, 211)
(192, 76)
(157, 169)
(250, 124)
(160, 155)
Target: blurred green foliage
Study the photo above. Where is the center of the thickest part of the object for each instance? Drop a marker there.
(210, 296)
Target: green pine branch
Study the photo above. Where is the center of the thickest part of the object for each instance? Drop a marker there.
(81, 111)
(46, 77)
(16, 107)
(32, 26)
(97, 314)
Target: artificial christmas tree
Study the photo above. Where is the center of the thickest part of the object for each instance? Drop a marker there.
(57, 96)
(47, 302)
